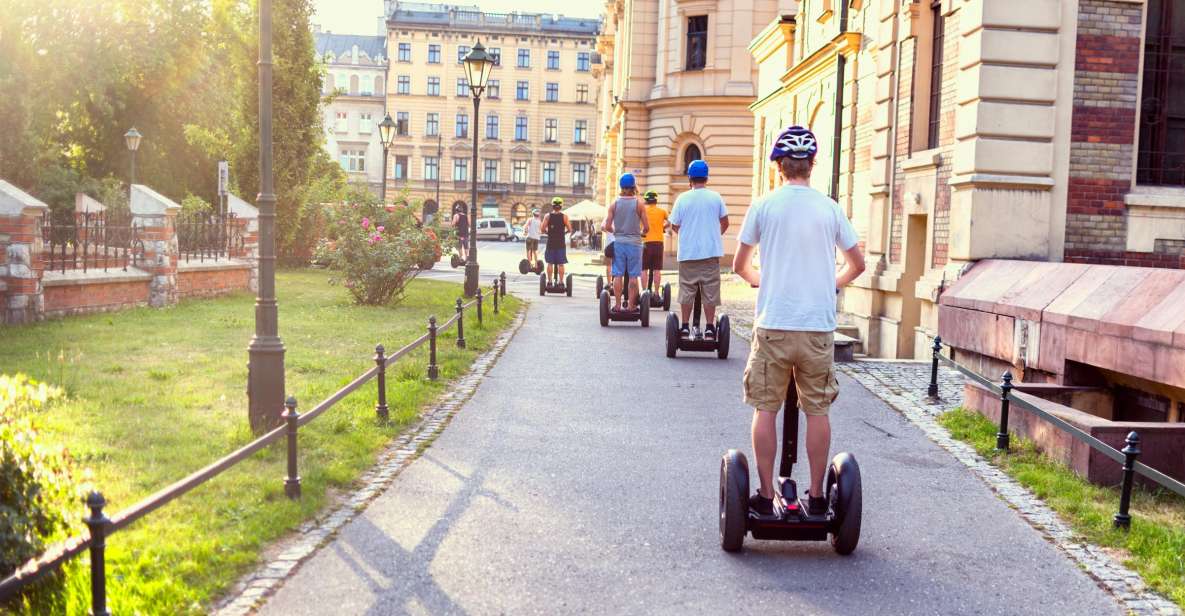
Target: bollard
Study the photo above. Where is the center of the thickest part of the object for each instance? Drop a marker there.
(933, 390)
(380, 360)
(1005, 392)
(1130, 453)
(480, 321)
(496, 294)
(433, 370)
(292, 483)
(460, 324)
(98, 524)
(502, 279)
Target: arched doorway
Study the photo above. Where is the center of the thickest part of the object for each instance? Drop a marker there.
(518, 213)
(429, 210)
(691, 153)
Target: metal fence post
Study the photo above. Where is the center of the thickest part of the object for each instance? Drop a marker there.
(933, 390)
(98, 523)
(480, 320)
(460, 324)
(380, 360)
(433, 370)
(1130, 453)
(502, 280)
(1005, 392)
(496, 294)
(292, 483)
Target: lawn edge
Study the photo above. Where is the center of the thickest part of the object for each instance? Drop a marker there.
(298, 546)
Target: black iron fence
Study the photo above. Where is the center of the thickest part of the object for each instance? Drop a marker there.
(91, 241)
(100, 527)
(209, 238)
(1127, 457)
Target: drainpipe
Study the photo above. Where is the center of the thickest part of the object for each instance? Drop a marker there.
(837, 139)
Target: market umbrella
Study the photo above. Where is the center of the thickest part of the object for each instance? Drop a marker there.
(587, 210)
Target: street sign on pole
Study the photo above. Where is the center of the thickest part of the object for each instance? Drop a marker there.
(223, 177)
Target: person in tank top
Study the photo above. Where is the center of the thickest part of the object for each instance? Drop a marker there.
(627, 222)
(556, 254)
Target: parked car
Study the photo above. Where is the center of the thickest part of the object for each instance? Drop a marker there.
(517, 233)
(493, 228)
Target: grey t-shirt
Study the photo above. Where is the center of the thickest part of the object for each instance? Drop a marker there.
(627, 227)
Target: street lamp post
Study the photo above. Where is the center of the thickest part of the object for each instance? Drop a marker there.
(132, 139)
(386, 134)
(478, 66)
(265, 369)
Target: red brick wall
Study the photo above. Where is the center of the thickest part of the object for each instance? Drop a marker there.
(946, 139)
(210, 283)
(83, 298)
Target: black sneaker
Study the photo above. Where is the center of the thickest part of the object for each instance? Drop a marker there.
(816, 505)
(709, 332)
(761, 504)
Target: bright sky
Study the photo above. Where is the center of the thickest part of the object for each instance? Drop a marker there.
(361, 16)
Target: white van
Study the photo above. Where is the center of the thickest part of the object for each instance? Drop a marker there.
(493, 229)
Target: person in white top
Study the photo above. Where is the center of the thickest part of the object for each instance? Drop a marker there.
(533, 229)
(798, 229)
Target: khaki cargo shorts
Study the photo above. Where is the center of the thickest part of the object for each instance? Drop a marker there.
(776, 355)
(704, 273)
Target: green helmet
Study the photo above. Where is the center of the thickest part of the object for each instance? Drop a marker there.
(557, 202)
(651, 196)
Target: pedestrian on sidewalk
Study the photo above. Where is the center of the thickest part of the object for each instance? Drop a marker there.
(461, 228)
(652, 258)
(700, 218)
(798, 229)
(534, 228)
(626, 220)
(556, 254)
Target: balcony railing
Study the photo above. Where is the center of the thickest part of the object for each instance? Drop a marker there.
(493, 187)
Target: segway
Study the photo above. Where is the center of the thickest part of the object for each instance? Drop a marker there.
(456, 261)
(791, 520)
(555, 286)
(601, 286)
(640, 313)
(658, 299)
(524, 267)
(695, 340)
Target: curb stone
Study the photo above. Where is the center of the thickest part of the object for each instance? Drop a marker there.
(257, 585)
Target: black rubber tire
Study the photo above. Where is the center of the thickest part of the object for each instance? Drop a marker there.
(538, 266)
(734, 500)
(644, 307)
(456, 261)
(524, 266)
(666, 297)
(672, 334)
(568, 285)
(604, 309)
(722, 337)
(427, 265)
(502, 237)
(846, 500)
(542, 284)
(600, 285)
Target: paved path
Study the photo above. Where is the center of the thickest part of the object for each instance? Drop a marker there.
(559, 489)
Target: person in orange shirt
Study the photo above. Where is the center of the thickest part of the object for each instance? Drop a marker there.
(652, 249)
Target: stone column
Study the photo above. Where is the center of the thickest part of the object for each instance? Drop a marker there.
(21, 265)
(155, 216)
(247, 217)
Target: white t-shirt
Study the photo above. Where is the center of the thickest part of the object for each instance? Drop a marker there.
(697, 212)
(797, 229)
(533, 228)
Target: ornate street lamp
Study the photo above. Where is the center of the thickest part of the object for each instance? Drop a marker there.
(265, 368)
(386, 135)
(478, 66)
(132, 139)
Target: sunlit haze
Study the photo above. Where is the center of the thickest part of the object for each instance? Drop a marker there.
(361, 16)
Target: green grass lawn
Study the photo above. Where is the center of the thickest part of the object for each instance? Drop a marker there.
(156, 394)
(1155, 545)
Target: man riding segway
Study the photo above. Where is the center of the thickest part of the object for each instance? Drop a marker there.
(556, 255)
(626, 220)
(652, 249)
(533, 229)
(700, 218)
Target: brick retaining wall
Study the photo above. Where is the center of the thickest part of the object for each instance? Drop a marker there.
(213, 281)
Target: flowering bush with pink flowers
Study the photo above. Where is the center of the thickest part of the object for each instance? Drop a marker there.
(375, 251)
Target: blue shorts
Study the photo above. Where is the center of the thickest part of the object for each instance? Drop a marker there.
(556, 256)
(627, 260)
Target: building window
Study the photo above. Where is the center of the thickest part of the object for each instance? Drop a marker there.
(434, 54)
(367, 85)
(553, 60)
(553, 92)
(492, 126)
(579, 174)
(401, 167)
(1161, 159)
(353, 85)
(493, 89)
(551, 129)
(490, 172)
(434, 86)
(402, 123)
(341, 82)
(405, 52)
(462, 51)
(524, 58)
(582, 93)
(462, 125)
(432, 126)
(431, 168)
(460, 169)
(690, 154)
(520, 128)
(403, 85)
(522, 91)
(343, 122)
(365, 122)
(583, 62)
(936, 40)
(496, 54)
(520, 172)
(462, 86)
(580, 132)
(697, 42)
(353, 160)
(549, 173)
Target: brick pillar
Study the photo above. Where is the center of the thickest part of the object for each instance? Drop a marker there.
(247, 217)
(156, 218)
(21, 264)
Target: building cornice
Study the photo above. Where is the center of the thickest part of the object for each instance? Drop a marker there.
(697, 101)
(847, 44)
(776, 35)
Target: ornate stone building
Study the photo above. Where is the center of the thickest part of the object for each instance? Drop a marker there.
(354, 86)
(960, 130)
(537, 126)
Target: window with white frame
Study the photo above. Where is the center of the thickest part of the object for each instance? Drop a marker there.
(341, 82)
(365, 123)
(431, 168)
(582, 93)
(403, 85)
(549, 173)
(432, 125)
(342, 124)
(405, 52)
(522, 91)
(583, 61)
(493, 89)
(400, 167)
(462, 125)
(368, 85)
(580, 132)
(402, 123)
(520, 172)
(551, 130)
(462, 51)
(353, 161)
(496, 55)
(524, 58)
(490, 171)
(492, 126)
(579, 174)
(553, 92)
(520, 128)
(553, 60)
(460, 169)
(434, 54)
(462, 86)
(697, 42)
(434, 86)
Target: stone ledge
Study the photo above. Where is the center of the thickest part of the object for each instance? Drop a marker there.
(72, 277)
(224, 264)
(1157, 198)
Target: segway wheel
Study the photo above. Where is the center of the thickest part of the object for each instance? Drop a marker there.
(455, 261)
(722, 336)
(672, 334)
(644, 307)
(538, 266)
(666, 297)
(542, 284)
(604, 309)
(600, 285)
(524, 266)
(568, 285)
(846, 501)
(734, 500)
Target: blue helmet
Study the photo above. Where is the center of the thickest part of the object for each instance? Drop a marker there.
(697, 169)
(795, 142)
(627, 181)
